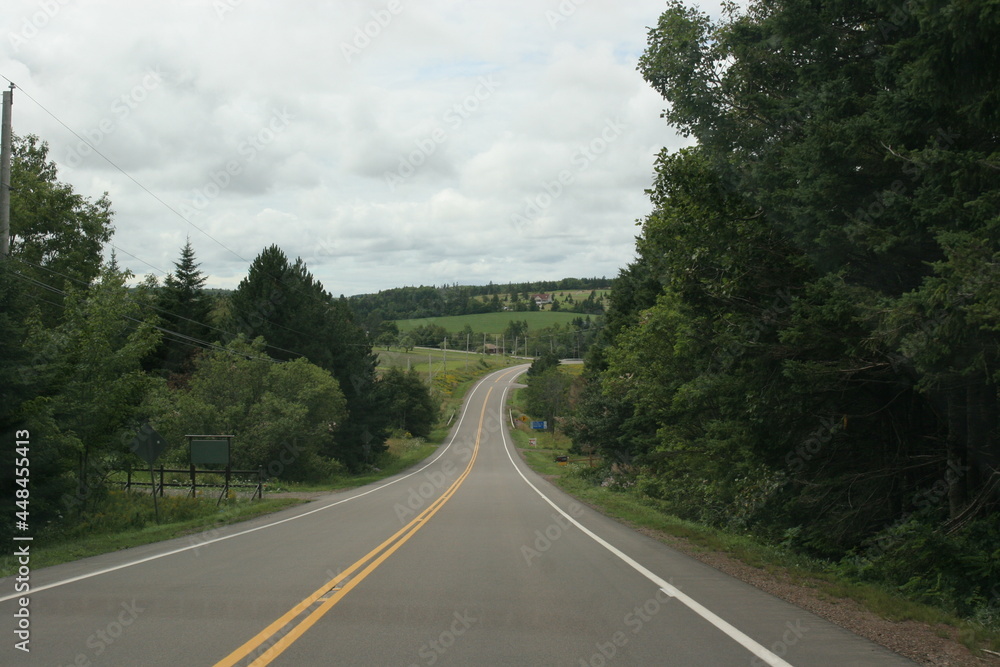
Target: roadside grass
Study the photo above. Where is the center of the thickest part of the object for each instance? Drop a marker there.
(126, 520)
(122, 520)
(578, 479)
(403, 452)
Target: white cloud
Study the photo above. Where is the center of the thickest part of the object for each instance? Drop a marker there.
(384, 147)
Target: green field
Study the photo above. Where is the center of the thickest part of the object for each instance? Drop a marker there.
(491, 323)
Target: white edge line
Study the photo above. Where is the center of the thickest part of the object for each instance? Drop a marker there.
(735, 634)
(96, 573)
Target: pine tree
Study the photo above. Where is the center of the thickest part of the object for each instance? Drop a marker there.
(291, 310)
(185, 310)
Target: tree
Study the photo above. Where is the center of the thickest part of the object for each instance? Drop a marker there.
(185, 310)
(291, 310)
(57, 236)
(92, 381)
(409, 401)
(547, 394)
(820, 261)
(286, 417)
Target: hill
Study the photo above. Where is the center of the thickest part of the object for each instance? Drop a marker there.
(490, 323)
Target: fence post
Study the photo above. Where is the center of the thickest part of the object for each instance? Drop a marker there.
(161, 480)
(194, 483)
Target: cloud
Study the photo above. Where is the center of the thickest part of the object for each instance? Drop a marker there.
(386, 144)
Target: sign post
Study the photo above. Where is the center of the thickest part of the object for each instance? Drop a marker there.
(148, 445)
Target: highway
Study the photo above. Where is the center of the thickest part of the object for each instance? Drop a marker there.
(468, 559)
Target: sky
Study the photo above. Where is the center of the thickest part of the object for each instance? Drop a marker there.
(387, 143)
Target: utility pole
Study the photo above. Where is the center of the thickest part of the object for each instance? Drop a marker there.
(5, 150)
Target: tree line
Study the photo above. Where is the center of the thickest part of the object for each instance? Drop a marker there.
(89, 354)
(571, 339)
(806, 346)
(407, 303)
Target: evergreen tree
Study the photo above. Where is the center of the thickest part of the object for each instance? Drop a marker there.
(290, 309)
(186, 310)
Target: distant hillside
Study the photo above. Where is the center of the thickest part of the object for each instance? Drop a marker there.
(404, 303)
(489, 323)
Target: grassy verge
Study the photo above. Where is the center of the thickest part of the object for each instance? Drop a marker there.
(124, 520)
(180, 516)
(579, 480)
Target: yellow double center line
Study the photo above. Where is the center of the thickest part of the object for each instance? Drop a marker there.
(332, 592)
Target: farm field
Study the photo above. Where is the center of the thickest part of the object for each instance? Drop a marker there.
(565, 297)
(491, 323)
(431, 361)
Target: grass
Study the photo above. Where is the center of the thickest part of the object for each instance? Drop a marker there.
(90, 538)
(491, 323)
(123, 520)
(431, 362)
(403, 453)
(636, 511)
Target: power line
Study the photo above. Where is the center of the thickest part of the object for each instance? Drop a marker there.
(125, 173)
(177, 336)
(324, 300)
(149, 305)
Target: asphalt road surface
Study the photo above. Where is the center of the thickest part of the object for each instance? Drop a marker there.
(470, 559)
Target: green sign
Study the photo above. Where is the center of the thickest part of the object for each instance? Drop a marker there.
(210, 452)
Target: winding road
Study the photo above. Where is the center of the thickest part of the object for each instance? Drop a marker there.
(469, 559)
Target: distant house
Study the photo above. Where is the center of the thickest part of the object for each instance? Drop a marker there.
(542, 299)
(490, 348)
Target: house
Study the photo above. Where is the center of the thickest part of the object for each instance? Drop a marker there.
(489, 348)
(542, 299)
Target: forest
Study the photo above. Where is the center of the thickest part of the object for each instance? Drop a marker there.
(90, 354)
(807, 346)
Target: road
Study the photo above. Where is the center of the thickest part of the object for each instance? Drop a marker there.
(471, 559)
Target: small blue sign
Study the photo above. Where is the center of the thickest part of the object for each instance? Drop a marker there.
(538, 426)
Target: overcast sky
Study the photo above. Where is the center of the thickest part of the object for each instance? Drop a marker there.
(386, 143)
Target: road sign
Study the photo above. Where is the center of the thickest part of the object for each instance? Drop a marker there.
(538, 426)
(148, 444)
(533, 442)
